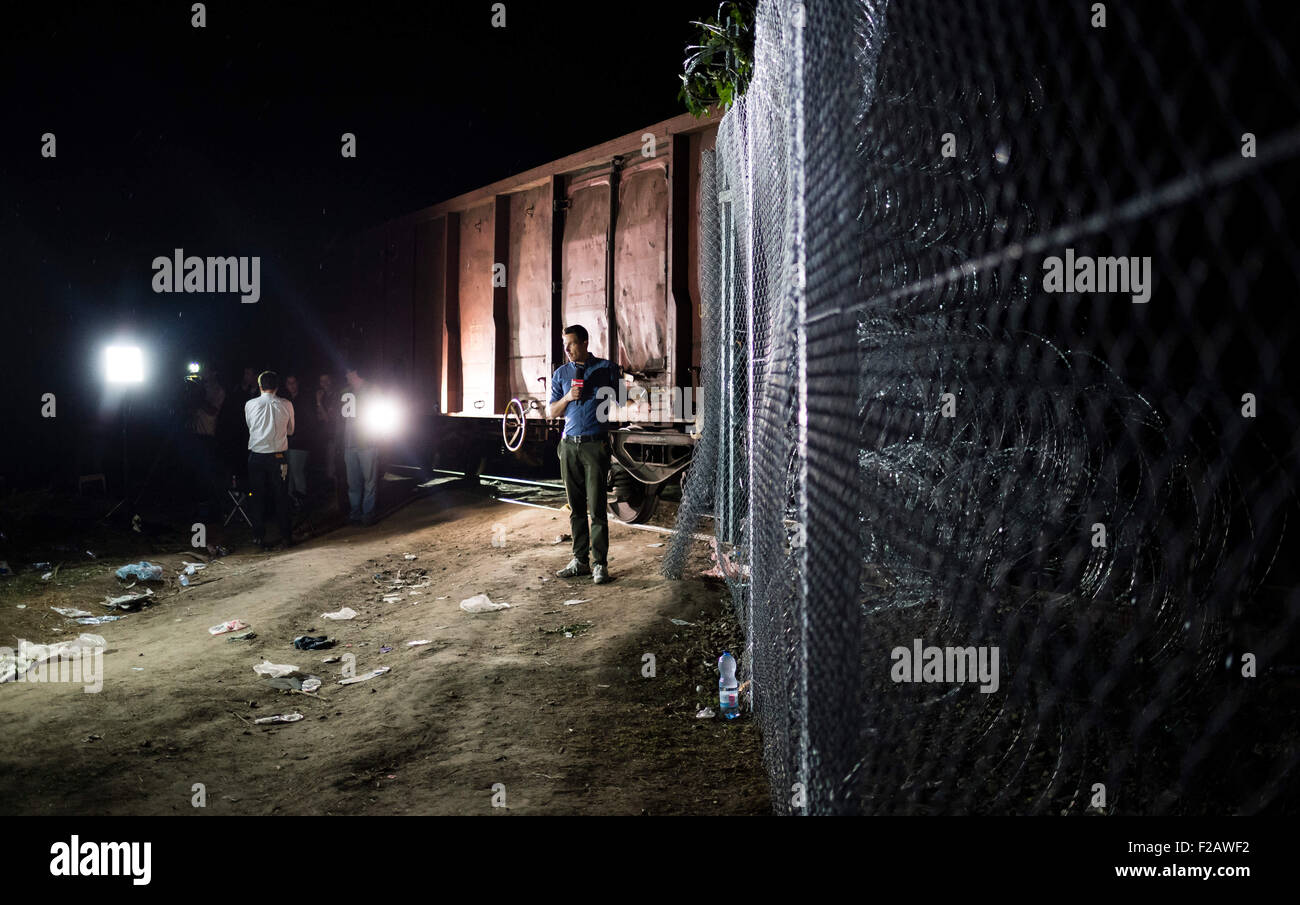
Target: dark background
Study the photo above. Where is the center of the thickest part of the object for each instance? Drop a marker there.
(225, 140)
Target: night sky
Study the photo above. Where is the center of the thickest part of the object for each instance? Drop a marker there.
(225, 140)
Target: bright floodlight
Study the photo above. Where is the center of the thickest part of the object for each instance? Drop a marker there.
(382, 417)
(193, 367)
(124, 364)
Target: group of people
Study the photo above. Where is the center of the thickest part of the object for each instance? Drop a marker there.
(283, 437)
(285, 429)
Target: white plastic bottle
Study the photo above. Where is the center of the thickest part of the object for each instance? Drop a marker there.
(728, 687)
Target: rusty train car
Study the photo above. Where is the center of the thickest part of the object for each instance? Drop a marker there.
(463, 303)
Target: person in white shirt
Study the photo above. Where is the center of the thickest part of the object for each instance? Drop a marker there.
(270, 424)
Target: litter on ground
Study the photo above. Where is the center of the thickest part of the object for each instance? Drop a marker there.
(70, 612)
(275, 670)
(481, 603)
(362, 678)
(234, 625)
(128, 601)
(145, 571)
(345, 613)
(279, 718)
(16, 663)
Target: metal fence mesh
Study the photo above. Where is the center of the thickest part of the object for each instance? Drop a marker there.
(911, 433)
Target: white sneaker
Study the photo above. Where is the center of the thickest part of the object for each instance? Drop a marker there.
(573, 569)
(598, 574)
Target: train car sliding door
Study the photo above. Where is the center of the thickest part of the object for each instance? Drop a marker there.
(586, 235)
(477, 328)
(641, 272)
(528, 281)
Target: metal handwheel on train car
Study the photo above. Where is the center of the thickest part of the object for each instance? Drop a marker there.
(513, 424)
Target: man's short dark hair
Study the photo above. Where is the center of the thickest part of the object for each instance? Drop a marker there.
(577, 330)
(268, 380)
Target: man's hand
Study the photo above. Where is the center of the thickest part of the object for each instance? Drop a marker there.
(572, 395)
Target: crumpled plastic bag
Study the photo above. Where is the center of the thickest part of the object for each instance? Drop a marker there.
(145, 571)
(481, 603)
(295, 682)
(345, 613)
(275, 670)
(129, 602)
(70, 612)
(12, 664)
(365, 676)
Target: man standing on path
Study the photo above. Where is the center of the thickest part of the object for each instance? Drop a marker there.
(300, 442)
(270, 423)
(327, 428)
(360, 453)
(584, 451)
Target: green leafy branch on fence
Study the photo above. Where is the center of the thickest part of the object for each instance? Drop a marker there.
(717, 70)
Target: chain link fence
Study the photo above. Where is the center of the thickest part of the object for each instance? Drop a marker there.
(998, 431)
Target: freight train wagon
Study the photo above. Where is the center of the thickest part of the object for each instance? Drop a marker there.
(464, 302)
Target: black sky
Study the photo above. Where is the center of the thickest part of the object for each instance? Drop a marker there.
(225, 140)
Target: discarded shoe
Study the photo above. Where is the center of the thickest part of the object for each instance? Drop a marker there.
(573, 569)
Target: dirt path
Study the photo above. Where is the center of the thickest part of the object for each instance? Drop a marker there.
(568, 725)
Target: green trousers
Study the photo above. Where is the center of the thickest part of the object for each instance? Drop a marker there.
(583, 466)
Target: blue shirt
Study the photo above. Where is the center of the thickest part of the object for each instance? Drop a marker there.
(580, 417)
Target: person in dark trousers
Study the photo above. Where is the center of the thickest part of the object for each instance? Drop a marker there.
(584, 451)
(270, 424)
(327, 427)
(360, 453)
(302, 440)
(205, 403)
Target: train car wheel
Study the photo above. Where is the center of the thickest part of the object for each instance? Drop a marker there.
(637, 504)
